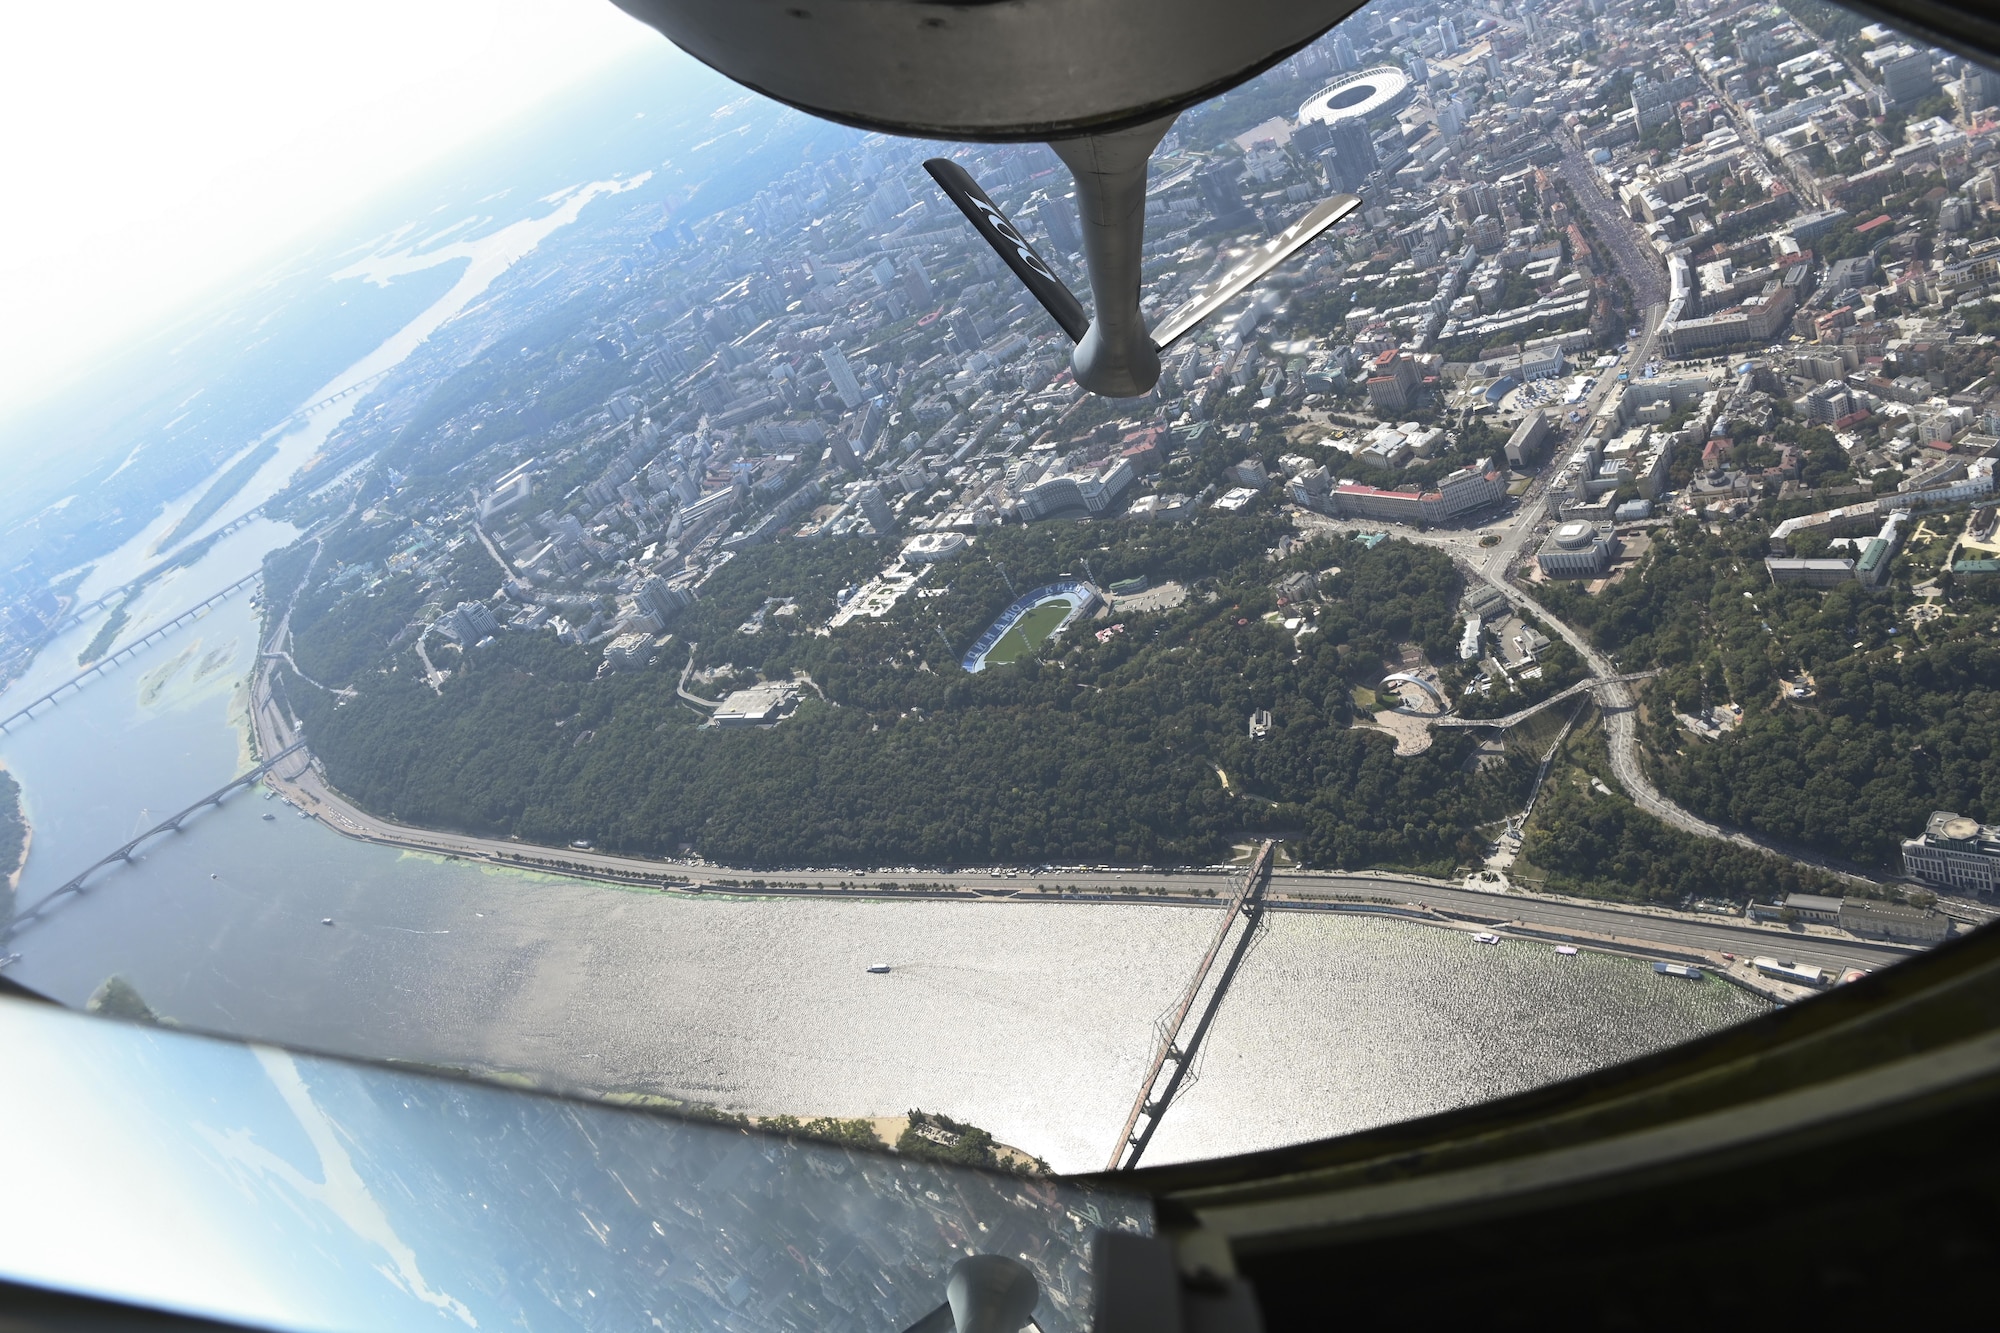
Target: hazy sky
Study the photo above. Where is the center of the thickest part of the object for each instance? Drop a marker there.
(152, 149)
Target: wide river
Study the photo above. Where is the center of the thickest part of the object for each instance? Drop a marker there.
(1034, 1020)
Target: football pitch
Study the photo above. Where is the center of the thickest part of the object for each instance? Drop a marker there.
(1029, 631)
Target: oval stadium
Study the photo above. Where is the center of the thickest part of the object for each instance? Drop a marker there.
(1358, 95)
(1040, 615)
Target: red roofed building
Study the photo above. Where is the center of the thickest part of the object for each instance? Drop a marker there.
(1461, 492)
(1393, 381)
(1141, 448)
(1580, 252)
(1830, 324)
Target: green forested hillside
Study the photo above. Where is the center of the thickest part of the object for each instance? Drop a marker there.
(1592, 840)
(1904, 717)
(1101, 752)
(1891, 737)
(13, 825)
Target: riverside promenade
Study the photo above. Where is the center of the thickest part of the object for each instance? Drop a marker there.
(1635, 931)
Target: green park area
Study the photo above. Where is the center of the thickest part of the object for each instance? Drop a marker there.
(1102, 752)
(1029, 632)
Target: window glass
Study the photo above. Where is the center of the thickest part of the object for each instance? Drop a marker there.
(642, 607)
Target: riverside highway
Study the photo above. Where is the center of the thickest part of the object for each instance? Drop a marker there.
(300, 780)
(1606, 924)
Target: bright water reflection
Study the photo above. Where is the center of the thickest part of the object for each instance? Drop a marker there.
(300, 437)
(1031, 1019)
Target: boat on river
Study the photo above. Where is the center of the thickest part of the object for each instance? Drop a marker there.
(1566, 950)
(878, 968)
(1681, 970)
(1485, 937)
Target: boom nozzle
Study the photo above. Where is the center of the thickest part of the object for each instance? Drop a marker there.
(1116, 357)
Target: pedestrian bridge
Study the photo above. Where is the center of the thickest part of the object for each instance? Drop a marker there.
(1556, 698)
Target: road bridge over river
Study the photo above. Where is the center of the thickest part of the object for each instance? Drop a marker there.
(126, 853)
(126, 590)
(27, 711)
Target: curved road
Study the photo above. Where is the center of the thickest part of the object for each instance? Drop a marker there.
(1616, 701)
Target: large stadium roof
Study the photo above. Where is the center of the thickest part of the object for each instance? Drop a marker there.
(1357, 95)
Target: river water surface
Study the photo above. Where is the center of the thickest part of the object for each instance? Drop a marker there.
(1034, 1020)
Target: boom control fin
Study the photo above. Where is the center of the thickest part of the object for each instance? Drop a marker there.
(1261, 261)
(1011, 246)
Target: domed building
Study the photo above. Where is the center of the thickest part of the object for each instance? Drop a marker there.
(930, 547)
(1578, 550)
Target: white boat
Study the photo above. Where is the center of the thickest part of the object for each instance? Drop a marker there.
(1681, 970)
(878, 967)
(326, 921)
(1485, 937)
(1566, 950)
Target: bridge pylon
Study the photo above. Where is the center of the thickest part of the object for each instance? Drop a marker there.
(1147, 1105)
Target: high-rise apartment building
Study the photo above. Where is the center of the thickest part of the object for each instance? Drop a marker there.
(876, 510)
(843, 453)
(1981, 87)
(917, 283)
(1352, 156)
(1222, 190)
(471, 621)
(1393, 384)
(1652, 103)
(1058, 220)
(663, 599)
(1907, 78)
(842, 375)
(964, 328)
